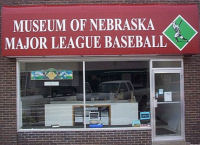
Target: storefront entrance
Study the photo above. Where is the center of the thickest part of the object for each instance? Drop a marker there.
(167, 104)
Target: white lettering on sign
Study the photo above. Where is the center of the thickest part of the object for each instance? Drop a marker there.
(78, 25)
(134, 42)
(26, 43)
(78, 42)
(118, 24)
(39, 25)
(80, 34)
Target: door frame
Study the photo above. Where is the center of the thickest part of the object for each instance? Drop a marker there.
(154, 71)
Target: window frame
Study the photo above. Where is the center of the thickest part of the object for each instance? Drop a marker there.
(85, 60)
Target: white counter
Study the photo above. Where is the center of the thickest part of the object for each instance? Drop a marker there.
(61, 112)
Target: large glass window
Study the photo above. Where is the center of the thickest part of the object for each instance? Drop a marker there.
(48, 93)
(116, 94)
(119, 92)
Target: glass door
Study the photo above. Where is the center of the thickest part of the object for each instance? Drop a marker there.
(167, 103)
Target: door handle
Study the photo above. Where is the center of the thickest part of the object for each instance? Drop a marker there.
(155, 103)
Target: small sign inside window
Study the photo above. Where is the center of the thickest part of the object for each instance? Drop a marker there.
(51, 83)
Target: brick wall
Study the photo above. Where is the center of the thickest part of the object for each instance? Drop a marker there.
(192, 98)
(129, 137)
(9, 135)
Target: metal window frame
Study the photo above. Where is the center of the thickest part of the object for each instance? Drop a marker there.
(84, 60)
(179, 70)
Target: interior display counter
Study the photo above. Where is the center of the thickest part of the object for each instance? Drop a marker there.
(111, 113)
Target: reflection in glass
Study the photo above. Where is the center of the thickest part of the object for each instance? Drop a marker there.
(108, 87)
(48, 92)
(121, 88)
(168, 112)
(166, 64)
(51, 94)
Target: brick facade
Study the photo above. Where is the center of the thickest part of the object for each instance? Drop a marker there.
(192, 98)
(8, 127)
(122, 137)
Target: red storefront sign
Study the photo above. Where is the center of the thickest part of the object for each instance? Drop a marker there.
(100, 30)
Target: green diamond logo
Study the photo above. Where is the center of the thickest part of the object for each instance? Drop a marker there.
(180, 32)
